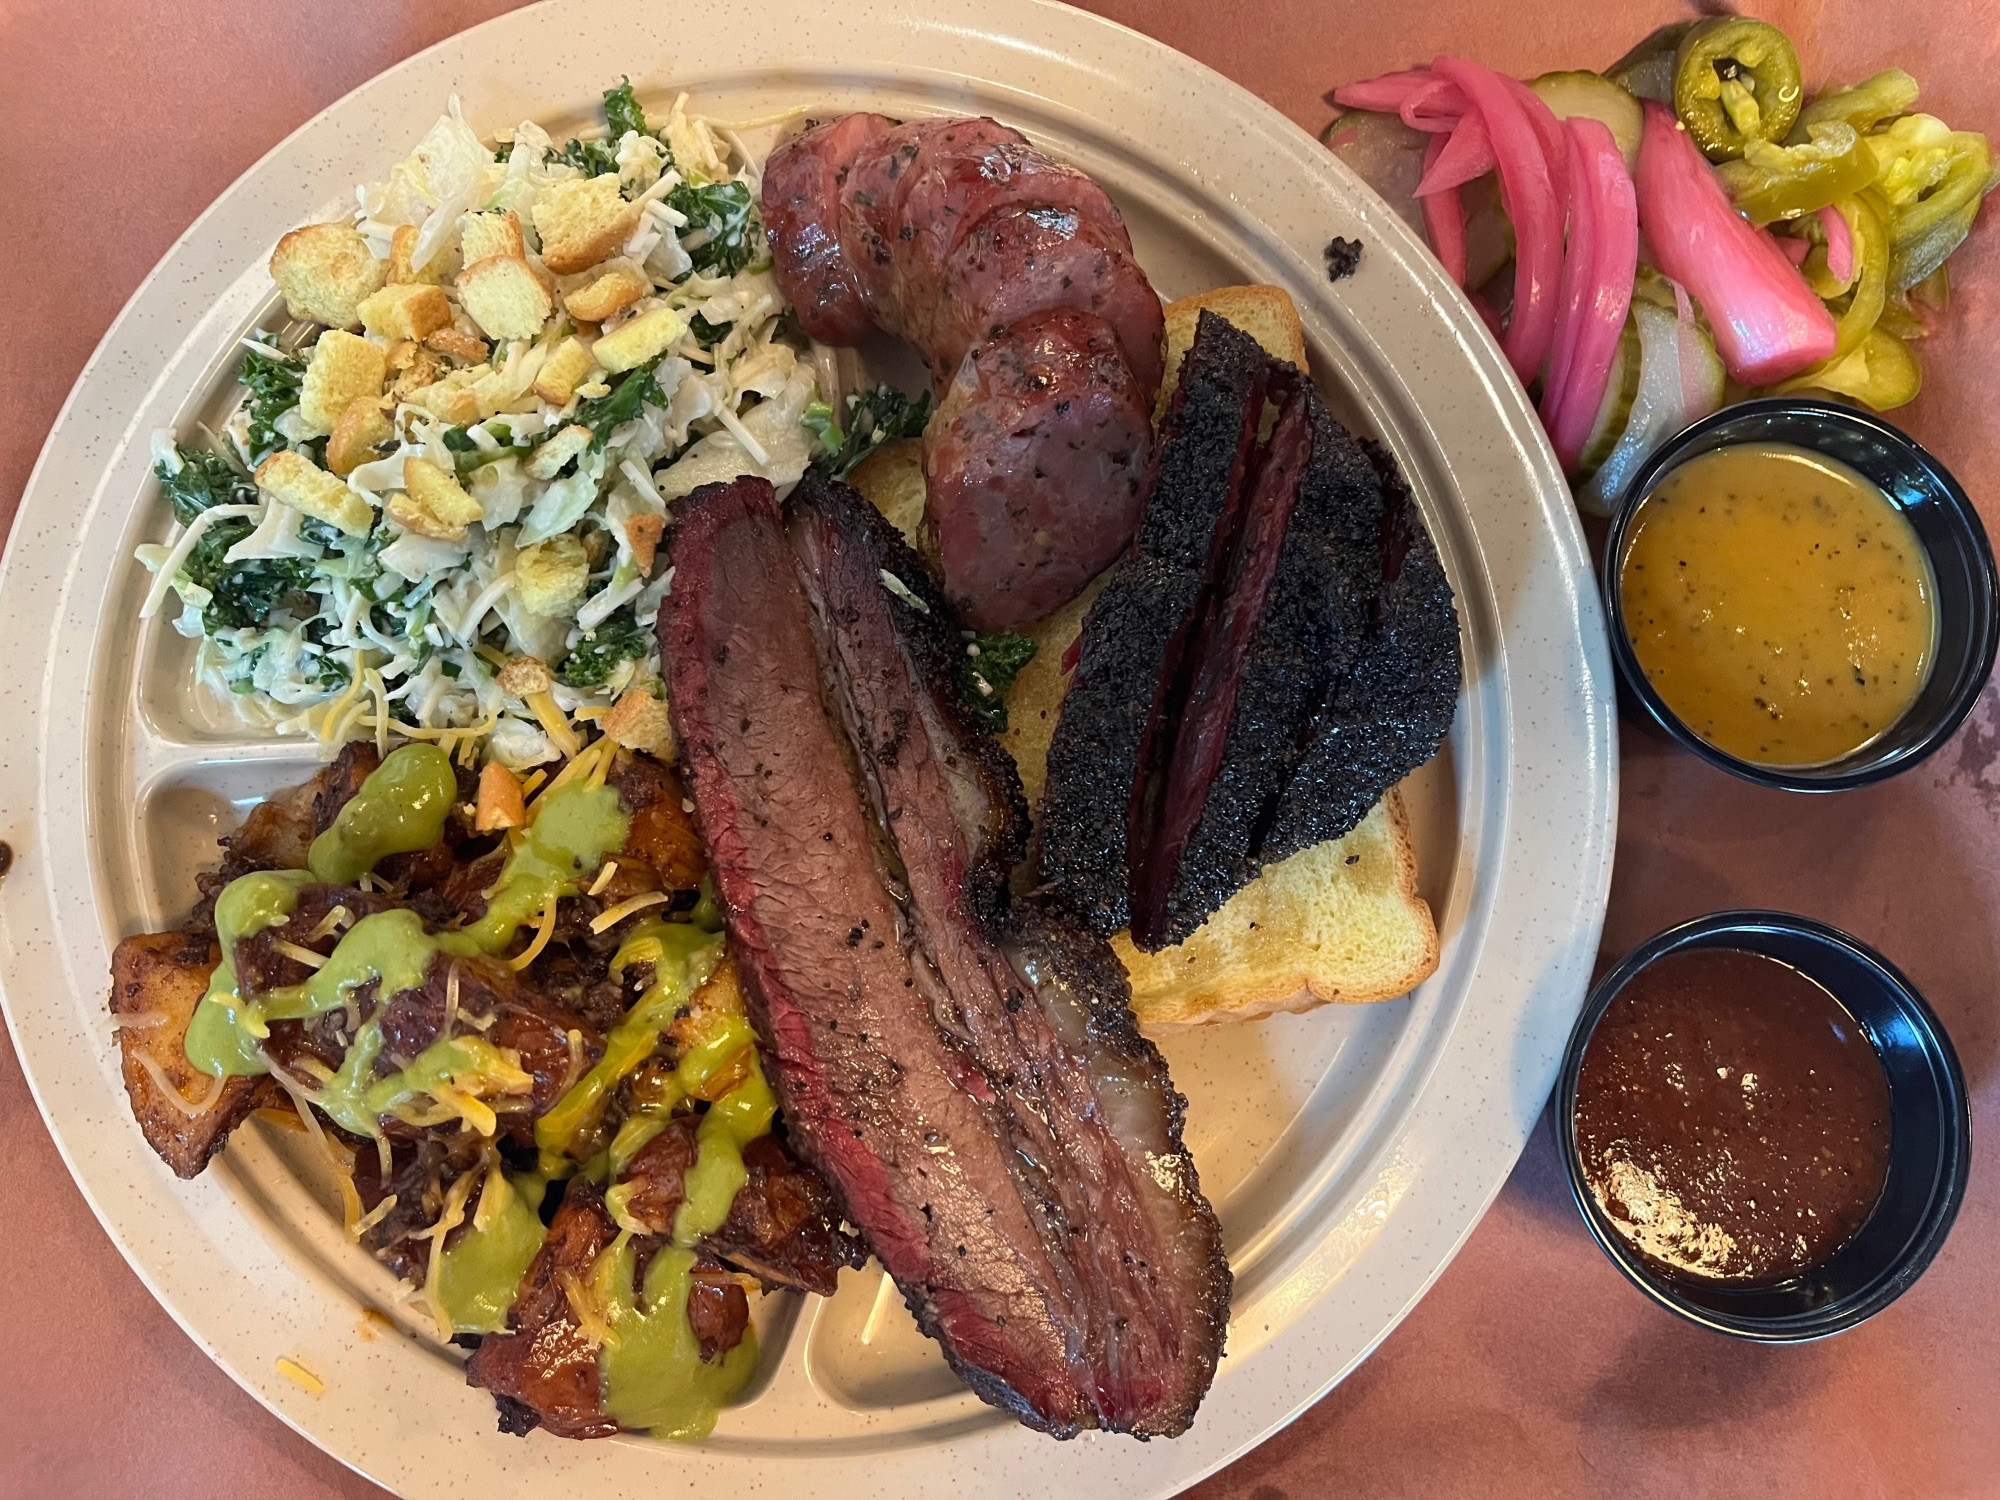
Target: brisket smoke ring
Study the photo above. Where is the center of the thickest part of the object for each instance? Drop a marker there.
(965, 1072)
(1278, 650)
(1012, 274)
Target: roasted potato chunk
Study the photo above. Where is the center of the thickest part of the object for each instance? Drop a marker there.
(157, 979)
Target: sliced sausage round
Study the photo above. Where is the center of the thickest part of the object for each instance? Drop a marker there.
(801, 206)
(1034, 466)
(1018, 261)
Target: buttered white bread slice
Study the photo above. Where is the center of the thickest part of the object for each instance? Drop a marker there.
(1340, 922)
(1266, 313)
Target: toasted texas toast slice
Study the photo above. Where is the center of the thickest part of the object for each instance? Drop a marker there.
(157, 979)
(1341, 921)
(1266, 313)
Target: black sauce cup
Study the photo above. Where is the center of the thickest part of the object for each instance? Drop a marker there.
(1929, 1146)
(1961, 558)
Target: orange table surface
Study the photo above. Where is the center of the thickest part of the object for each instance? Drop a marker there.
(1531, 1367)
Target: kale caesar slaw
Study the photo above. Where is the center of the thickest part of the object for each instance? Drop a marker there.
(446, 525)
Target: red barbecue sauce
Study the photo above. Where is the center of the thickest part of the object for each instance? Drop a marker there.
(1732, 1118)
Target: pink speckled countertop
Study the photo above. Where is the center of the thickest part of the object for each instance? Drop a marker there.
(1531, 1368)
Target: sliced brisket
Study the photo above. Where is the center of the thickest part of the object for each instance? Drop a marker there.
(1279, 652)
(968, 1078)
(1390, 711)
(1129, 675)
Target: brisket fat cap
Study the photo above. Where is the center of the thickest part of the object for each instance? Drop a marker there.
(970, 1081)
(1280, 650)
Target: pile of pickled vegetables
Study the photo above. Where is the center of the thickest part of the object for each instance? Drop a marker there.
(1685, 229)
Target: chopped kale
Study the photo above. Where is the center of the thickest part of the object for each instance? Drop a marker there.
(597, 655)
(273, 381)
(873, 418)
(604, 414)
(707, 334)
(244, 593)
(592, 158)
(622, 112)
(722, 234)
(991, 662)
(204, 479)
(467, 456)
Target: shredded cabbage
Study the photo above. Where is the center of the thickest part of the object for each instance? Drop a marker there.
(400, 629)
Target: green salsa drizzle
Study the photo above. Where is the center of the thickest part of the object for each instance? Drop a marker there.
(400, 809)
(683, 957)
(575, 826)
(651, 1369)
(653, 1376)
(479, 1273)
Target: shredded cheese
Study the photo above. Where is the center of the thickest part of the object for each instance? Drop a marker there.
(603, 879)
(554, 725)
(612, 916)
(450, 1219)
(590, 1321)
(300, 954)
(193, 1109)
(301, 1377)
(373, 1217)
(331, 923)
(147, 1020)
(533, 951)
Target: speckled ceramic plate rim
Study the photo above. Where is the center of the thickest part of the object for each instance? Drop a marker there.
(1525, 932)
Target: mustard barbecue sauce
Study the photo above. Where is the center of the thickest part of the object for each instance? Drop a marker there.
(1780, 604)
(1732, 1118)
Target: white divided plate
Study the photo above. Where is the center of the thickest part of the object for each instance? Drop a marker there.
(1349, 1150)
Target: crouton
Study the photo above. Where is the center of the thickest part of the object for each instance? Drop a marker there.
(501, 803)
(639, 722)
(451, 397)
(613, 292)
(551, 576)
(582, 221)
(639, 339)
(643, 532)
(548, 459)
(406, 311)
(563, 371)
(362, 428)
(411, 368)
(403, 249)
(524, 675)
(435, 505)
(505, 297)
(494, 232)
(157, 981)
(325, 270)
(344, 367)
(290, 479)
(459, 344)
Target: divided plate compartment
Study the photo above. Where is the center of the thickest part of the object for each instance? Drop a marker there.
(1266, 1100)
(1348, 1150)
(1270, 1104)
